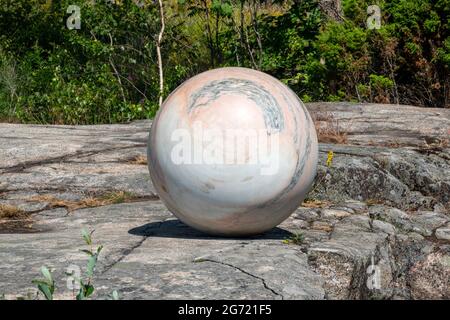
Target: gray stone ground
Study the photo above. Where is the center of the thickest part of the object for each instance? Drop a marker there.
(384, 200)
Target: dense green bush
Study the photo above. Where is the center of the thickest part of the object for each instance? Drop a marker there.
(406, 61)
(104, 72)
(107, 71)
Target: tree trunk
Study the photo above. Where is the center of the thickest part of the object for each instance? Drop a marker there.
(332, 9)
(158, 51)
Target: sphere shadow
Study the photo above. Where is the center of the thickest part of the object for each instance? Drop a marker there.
(177, 229)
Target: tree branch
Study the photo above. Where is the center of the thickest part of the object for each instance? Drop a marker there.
(158, 51)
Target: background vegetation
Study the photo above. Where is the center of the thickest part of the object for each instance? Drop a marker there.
(107, 71)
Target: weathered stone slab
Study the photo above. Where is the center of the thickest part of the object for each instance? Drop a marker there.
(383, 201)
(385, 124)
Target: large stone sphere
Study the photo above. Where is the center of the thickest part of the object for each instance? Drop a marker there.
(232, 152)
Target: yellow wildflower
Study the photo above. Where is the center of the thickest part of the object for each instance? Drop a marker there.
(330, 158)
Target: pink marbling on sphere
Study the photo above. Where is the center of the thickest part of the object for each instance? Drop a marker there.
(220, 179)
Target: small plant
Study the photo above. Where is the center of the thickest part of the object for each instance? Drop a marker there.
(295, 238)
(118, 197)
(86, 287)
(326, 175)
(47, 287)
(330, 157)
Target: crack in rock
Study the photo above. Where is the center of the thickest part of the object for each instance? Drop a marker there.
(263, 281)
(123, 255)
(128, 251)
(80, 154)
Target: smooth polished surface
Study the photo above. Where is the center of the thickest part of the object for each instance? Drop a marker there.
(232, 152)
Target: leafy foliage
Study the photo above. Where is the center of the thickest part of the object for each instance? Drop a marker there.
(46, 286)
(295, 238)
(106, 72)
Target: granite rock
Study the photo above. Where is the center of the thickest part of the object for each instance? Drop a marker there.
(375, 225)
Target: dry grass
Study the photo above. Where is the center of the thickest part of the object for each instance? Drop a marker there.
(54, 202)
(373, 202)
(14, 220)
(328, 128)
(436, 144)
(89, 202)
(382, 160)
(118, 197)
(11, 212)
(317, 225)
(138, 160)
(392, 143)
(315, 204)
(295, 238)
(445, 143)
(437, 147)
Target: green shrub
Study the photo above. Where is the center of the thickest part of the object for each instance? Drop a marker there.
(47, 287)
(106, 72)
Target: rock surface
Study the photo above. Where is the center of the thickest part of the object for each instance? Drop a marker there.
(375, 226)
